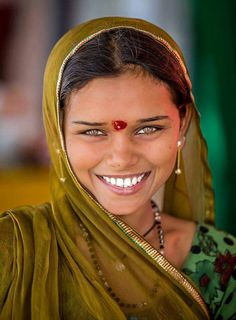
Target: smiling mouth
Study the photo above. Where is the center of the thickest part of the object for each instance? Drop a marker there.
(127, 182)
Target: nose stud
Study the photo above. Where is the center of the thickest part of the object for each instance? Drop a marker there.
(119, 124)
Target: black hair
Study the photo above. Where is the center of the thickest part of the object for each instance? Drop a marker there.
(113, 52)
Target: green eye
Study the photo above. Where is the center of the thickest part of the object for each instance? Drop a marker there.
(149, 130)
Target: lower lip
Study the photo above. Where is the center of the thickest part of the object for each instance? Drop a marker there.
(128, 190)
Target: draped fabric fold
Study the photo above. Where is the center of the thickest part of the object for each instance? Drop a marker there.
(50, 273)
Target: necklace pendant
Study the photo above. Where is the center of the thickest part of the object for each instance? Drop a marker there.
(119, 266)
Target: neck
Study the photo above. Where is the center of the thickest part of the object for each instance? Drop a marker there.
(140, 220)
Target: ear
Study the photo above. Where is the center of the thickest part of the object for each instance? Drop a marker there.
(185, 120)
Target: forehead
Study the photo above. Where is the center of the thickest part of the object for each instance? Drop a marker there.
(127, 95)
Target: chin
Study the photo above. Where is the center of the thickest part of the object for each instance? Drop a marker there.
(121, 208)
(116, 210)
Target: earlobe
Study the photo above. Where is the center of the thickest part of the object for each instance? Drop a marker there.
(181, 142)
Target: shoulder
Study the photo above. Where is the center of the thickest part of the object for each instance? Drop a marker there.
(220, 240)
(211, 264)
(6, 255)
(25, 215)
(16, 224)
(178, 234)
(6, 238)
(21, 222)
(20, 219)
(17, 240)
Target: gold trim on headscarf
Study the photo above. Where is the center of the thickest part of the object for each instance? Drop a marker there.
(189, 196)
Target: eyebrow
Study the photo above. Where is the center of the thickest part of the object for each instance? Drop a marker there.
(152, 119)
(86, 123)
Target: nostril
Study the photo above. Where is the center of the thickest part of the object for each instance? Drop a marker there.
(122, 160)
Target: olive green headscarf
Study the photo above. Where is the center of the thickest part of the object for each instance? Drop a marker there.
(49, 273)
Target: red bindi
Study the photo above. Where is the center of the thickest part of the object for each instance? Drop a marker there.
(119, 124)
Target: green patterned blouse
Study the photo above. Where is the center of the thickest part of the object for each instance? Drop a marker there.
(211, 265)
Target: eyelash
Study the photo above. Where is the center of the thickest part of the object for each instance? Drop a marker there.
(88, 133)
(150, 130)
(98, 133)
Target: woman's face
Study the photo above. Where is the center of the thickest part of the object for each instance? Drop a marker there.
(124, 168)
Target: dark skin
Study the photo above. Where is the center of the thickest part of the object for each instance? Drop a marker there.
(143, 146)
(179, 234)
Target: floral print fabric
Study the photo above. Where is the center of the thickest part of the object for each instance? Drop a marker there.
(211, 265)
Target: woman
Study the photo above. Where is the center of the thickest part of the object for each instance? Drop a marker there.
(122, 129)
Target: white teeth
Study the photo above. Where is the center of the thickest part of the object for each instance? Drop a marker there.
(124, 183)
(134, 180)
(127, 182)
(119, 182)
(139, 179)
(113, 181)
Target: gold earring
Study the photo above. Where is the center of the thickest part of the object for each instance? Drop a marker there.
(178, 171)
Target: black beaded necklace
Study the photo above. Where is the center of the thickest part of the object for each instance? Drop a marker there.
(157, 224)
(120, 266)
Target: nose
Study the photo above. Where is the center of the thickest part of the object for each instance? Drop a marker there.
(123, 153)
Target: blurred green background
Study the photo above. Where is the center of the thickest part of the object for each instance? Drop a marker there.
(214, 87)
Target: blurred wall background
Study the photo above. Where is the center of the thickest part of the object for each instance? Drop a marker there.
(28, 30)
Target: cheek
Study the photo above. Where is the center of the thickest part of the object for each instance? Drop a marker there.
(166, 156)
(164, 161)
(162, 152)
(82, 157)
(170, 156)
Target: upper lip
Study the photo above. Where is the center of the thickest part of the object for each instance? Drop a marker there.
(123, 176)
